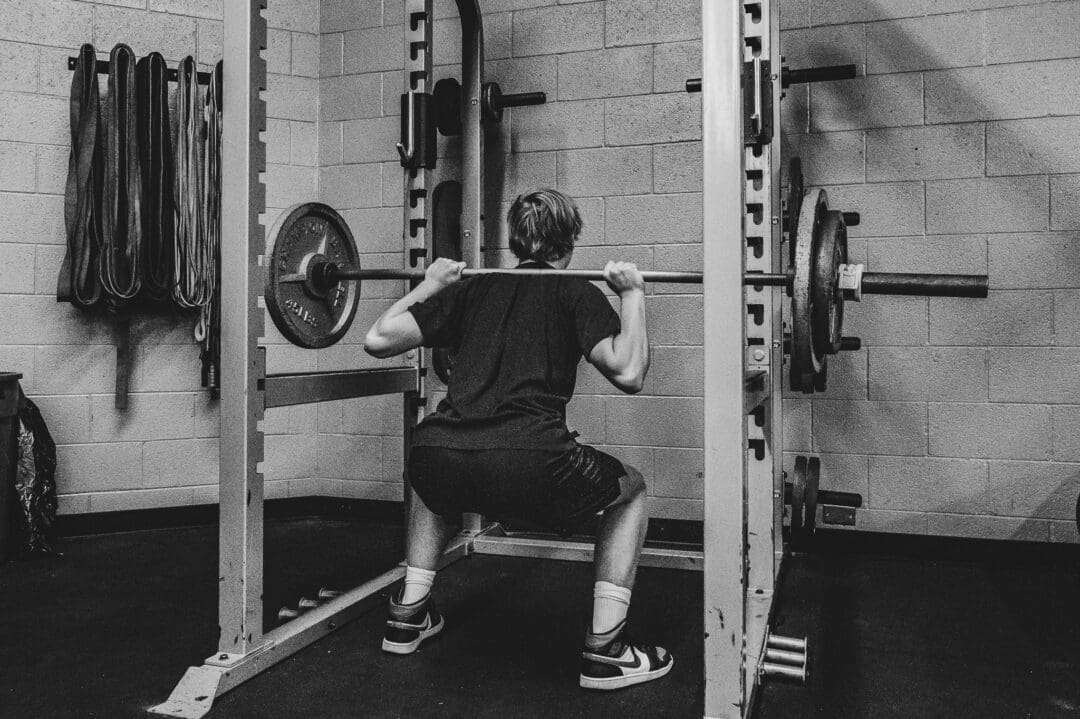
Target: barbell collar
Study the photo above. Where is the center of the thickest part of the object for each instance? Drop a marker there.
(897, 283)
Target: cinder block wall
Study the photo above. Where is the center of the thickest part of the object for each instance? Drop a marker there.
(958, 146)
(163, 450)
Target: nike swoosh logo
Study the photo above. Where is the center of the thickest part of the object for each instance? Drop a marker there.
(636, 664)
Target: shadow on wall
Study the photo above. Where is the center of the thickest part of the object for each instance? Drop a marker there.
(1011, 195)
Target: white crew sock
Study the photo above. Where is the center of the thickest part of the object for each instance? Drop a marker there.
(610, 603)
(417, 584)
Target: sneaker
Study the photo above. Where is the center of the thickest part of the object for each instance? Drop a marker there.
(611, 661)
(411, 624)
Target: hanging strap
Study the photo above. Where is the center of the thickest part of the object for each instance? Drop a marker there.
(78, 281)
(156, 163)
(193, 282)
(121, 222)
(211, 313)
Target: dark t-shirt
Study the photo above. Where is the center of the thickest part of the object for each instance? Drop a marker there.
(517, 341)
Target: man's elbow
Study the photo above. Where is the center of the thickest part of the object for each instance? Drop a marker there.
(377, 346)
(630, 383)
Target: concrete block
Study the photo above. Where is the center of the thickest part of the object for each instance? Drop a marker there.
(46, 268)
(350, 97)
(67, 417)
(887, 321)
(604, 73)
(996, 92)
(798, 425)
(674, 319)
(207, 417)
(882, 520)
(1067, 318)
(846, 377)
(842, 12)
(288, 184)
(888, 209)
(558, 29)
(63, 369)
(292, 98)
(97, 467)
(991, 204)
(291, 456)
(68, 504)
(949, 254)
(349, 457)
(18, 167)
(640, 22)
(211, 39)
(928, 484)
(372, 140)
(1003, 318)
(19, 358)
(331, 143)
(677, 167)
(596, 256)
(586, 415)
(1066, 422)
(605, 171)
(372, 416)
(393, 464)
(49, 22)
(925, 43)
(1036, 490)
(653, 219)
(966, 525)
(389, 260)
(676, 257)
(675, 371)
(867, 102)
(373, 50)
(920, 374)
(558, 126)
(278, 142)
(350, 186)
(869, 427)
(524, 172)
(305, 55)
(673, 63)
(20, 63)
(197, 8)
(655, 421)
(824, 45)
(17, 269)
(166, 368)
(373, 490)
(1034, 261)
(305, 144)
(690, 510)
(924, 153)
(679, 473)
(141, 499)
(33, 118)
(340, 15)
(650, 119)
(1031, 147)
(52, 167)
(174, 36)
(32, 218)
(1035, 374)
(1062, 83)
(1064, 532)
(794, 14)
(377, 229)
(1065, 202)
(1032, 32)
(331, 55)
(532, 74)
(446, 37)
(832, 157)
(279, 52)
(948, 6)
(180, 463)
(294, 15)
(795, 119)
(994, 431)
(148, 416)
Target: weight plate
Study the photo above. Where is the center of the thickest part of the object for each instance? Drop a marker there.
(830, 253)
(306, 315)
(793, 204)
(807, 360)
(813, 476)
(798, 501)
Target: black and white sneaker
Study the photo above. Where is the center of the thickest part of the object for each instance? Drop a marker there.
(612, 661)
(410, 624)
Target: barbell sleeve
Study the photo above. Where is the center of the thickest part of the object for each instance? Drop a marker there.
(896, 283)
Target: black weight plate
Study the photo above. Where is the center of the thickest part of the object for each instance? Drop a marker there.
(807, 360)
(813, 477)
(447, 98)
(793, 205)
(306, 316)
(446, 241)
(798, 501)
(830, 253)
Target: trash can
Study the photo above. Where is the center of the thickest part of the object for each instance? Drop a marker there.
(9, 412)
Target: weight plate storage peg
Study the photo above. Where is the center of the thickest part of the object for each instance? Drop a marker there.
(311, 314)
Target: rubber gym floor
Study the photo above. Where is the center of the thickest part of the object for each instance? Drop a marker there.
(909, 627)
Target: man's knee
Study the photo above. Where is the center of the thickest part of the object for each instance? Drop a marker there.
(632, 484)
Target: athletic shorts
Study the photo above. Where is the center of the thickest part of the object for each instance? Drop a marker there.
(560, 490)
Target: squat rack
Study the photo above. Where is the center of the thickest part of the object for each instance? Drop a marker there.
(743, 485)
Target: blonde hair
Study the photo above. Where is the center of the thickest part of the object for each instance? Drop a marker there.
(543, 225)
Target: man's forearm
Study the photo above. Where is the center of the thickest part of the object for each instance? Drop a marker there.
(631, 345)
(421, 292)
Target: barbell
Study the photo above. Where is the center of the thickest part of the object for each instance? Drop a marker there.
(314, 276)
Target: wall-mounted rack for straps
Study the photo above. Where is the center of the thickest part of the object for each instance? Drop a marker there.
(102, 68)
